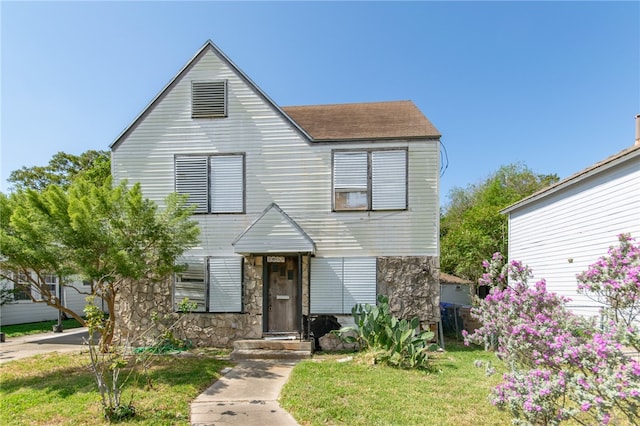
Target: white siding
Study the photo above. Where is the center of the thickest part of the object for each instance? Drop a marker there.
(273, 232)
(25, 311)
(281, 167)
(560, 235)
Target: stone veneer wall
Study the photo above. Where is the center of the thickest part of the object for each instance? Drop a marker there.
(412, 284)
(139, 302)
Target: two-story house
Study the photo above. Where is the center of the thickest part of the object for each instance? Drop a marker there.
(303, 210)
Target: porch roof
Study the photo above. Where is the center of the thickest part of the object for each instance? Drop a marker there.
(274, 232)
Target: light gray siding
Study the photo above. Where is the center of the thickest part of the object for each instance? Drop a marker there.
(281, 166)
(26, 311)
(560, 235)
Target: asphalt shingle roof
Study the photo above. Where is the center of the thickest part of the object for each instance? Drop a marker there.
(363, 121)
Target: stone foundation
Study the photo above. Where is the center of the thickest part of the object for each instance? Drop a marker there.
(412, 285)
(138, 303)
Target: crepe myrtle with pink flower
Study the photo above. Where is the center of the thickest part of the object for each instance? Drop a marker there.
(562, 366)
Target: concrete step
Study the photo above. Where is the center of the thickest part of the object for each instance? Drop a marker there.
(247, 354)
(271, 349)
(294, 345)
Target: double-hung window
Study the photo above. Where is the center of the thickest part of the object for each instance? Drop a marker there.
(213, 283)
(370, 180)
(22, 292)
(214, 183)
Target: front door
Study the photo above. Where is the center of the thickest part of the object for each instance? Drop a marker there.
(283, 297)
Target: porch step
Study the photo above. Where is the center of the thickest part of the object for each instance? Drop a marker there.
(271, 349)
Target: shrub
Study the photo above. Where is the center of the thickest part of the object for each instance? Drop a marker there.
(390, 340)
(562, 366)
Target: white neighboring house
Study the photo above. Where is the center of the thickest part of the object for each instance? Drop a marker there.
(561, 230)
(22, 309)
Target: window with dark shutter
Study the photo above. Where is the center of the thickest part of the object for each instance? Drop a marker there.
(350, 181)
(192, 180)
(208, 99)
(191, 285)
(213, 283)
(370, 180)
(214, 183)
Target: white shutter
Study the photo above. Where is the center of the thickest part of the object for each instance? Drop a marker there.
(190, 284)
(389, 180)
(350, 180)
(338, 284)
(208, 99)
(359, 281)
(225, 284)
(326, 285)
(191, 179)
(227, 183)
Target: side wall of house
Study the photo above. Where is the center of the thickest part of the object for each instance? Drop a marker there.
(562, 234)
(26, 311)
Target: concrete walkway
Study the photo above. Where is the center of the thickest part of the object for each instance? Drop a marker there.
(22, 347)
(246, 395)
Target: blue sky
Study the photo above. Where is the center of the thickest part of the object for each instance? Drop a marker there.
(554, 85)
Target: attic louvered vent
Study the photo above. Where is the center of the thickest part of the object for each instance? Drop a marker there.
(208, 99)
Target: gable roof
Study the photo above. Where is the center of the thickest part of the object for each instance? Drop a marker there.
(208, 46)
(274, 232)
(599, 167)
(374, 120)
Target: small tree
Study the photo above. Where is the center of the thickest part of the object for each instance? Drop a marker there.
(110, 236)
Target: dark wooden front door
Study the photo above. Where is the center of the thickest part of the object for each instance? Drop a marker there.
(283, 297)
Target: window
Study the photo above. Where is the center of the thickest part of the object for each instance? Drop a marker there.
(19, 292)
(51, 281)
(214, 183)
(214, 284)
(338, 284)
(370, 180)
(209, 99)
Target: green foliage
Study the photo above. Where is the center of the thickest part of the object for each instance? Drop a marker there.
(392, 341)
(59, 389)
(110, 236)
(471, 226)
(63, 169)
(114, 366)
(17, 330)
(332, 391)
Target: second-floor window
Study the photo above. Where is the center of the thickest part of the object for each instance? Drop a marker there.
(370, 180)
(214, 183)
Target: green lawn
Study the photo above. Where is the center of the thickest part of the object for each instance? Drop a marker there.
(58, 389)
(328, 392)
(18, 330)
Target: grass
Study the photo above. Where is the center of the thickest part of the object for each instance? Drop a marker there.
(59, 389)
(328, 392)
(18, 330)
